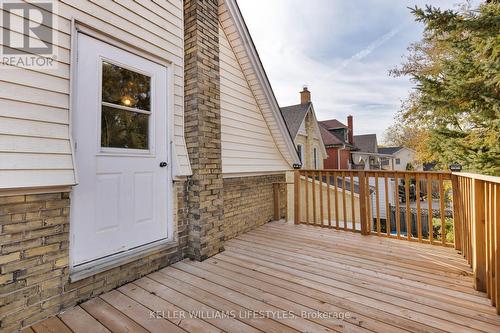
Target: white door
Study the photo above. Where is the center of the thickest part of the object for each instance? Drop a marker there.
(120, 134)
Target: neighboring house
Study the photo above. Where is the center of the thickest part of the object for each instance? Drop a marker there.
(338, 139)
(305, 132)
(401, 158)
(366, 154)
(155, 138)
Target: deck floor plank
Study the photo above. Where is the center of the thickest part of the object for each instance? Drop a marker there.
(382, 285)
(110, 317)
(404, 297)
(79, 321)
(51, 325)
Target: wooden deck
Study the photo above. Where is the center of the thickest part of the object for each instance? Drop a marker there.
(296, 278)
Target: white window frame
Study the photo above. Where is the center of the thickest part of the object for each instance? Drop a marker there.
(150, 151)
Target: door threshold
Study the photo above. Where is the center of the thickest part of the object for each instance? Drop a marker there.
(87, 269)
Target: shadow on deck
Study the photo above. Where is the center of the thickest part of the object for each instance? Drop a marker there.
(287, 278)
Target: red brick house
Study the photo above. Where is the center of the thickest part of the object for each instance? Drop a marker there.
(338, 140)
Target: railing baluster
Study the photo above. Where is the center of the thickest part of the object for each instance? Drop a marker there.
(321, 215)
(496, 216)
(362, 202)
(419, 217)
(441, 210)
(429, 207)
(306, 175)
(478, 263)
(353, 208)
(328, 183)
(487, 234)
(313, 190)
(407, 208)
(344, 209)
(336, 195)
(296, 193)
(369, 204)
(377, 204)
(387, 206)
(398, 212)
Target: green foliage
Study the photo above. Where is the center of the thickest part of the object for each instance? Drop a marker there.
(456, 68)
(448, 226)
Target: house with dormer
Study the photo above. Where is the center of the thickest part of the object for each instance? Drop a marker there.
(305, 131)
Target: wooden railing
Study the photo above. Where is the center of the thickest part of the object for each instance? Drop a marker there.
(477, 214)
(409, 205)
(438, 208)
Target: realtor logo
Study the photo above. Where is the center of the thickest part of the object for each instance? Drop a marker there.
(28, 34)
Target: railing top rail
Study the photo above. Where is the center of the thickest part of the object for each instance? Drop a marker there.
(486, 178)
(376, 171)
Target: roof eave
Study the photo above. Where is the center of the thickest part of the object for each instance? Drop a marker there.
(254, 58)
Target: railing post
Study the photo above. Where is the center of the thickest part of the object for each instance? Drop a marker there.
(296, 196)
(478, 229)
(276, 190)
(362, 202)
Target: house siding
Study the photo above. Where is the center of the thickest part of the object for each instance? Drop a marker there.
(242, 47)
(35, 147)
(248, 202)
(247, 143)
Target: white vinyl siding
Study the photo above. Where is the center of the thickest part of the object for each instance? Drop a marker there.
(235, 36)
(247, 143)
(34, 104)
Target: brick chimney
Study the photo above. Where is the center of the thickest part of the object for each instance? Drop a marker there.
(305, 96)
(350, 134)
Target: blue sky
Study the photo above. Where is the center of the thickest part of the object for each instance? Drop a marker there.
(341, 49)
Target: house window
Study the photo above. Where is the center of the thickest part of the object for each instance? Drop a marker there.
(299, 151)
(398, 161)
(126, 108)
(315, 158)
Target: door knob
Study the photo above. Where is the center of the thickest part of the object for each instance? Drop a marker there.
(163, 164)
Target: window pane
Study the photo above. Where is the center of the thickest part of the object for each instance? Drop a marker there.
(124, 129)
(125, 87)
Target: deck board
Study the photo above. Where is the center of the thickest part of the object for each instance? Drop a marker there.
(297, 272)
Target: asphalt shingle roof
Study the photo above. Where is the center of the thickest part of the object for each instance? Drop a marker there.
(329, 139)
(388, 150)
(294, 115)
(366, 143)
(333, 123)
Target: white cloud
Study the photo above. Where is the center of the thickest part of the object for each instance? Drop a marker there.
(341, 49)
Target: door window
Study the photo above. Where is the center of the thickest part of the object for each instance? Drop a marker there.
(125, 109)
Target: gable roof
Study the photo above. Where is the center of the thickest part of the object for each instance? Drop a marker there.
(239, 38)
(389, 150)
(366, 143)
(294, 116)
(333, 123)
(329, 139)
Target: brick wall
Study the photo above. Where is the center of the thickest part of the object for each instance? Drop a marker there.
(248, 203)
(34, 259)
(203, 127)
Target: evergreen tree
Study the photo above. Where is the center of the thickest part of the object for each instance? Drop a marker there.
(456, 68)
